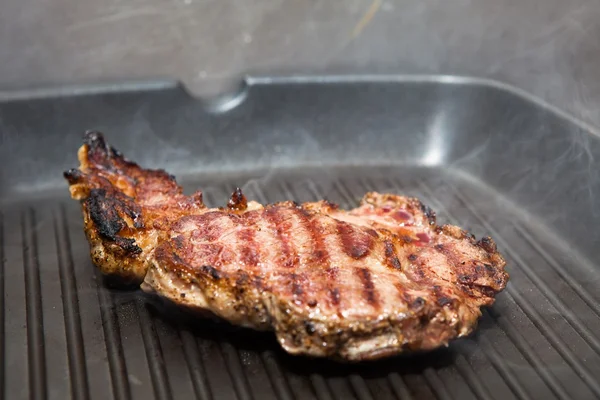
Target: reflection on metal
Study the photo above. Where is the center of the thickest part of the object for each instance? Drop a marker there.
(434, 152)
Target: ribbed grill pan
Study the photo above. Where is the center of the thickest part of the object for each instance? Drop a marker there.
(66, 333)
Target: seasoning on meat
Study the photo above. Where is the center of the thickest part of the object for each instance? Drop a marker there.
(370, 282)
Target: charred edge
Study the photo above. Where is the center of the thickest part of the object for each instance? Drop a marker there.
(465, 279)
(429, 213)
(390, 256)
(485, 290)
(238, 201)
(248, 253)
(212, 272)
(355, 244)
(331, 205)
(73, 176)
(368, 286)
(95, 140)
(104, 213)
(444, 301)
(319, 254)
(489, 269)
(116, 153)
(99, 152)
(274, 216)
(487, 244)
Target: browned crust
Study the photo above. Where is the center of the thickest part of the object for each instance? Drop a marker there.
(129, 213)
(121, 221)
(426, 326)
(246, 299)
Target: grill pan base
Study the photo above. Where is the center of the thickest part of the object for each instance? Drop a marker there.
(67, 333)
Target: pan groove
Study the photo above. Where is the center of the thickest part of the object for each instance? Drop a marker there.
(276, 376)
(533, 315)
(507, 327)
(234, 366)
(529, 354)
(154, 357)
(112, 341)
(70, 302)
(577, 325)
(33, 302)
(489, 351)
(500, 366)
(2, 323)
(471, 378)
(195, 366)
(583, 294)
(399, 388)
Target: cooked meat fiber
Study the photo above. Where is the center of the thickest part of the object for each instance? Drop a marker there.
(353, 285)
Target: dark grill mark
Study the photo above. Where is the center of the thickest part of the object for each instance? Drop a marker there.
(275, 216)
(249, 254)
(319, 254)
(368, 286)
(390, 256)
(355, 243)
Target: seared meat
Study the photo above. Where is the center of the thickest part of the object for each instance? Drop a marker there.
(353, 285)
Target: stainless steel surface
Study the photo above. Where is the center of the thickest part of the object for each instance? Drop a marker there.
(480, 154)
(549, 48)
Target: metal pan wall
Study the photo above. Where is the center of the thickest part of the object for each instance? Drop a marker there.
(481, 154)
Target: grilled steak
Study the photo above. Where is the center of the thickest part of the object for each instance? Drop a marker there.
(371, 282)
